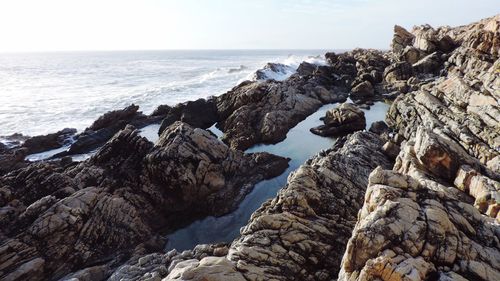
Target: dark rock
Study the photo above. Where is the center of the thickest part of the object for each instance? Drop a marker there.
(200, 113)
(161, 110)
(12, 159)
(270, 70)
(306, 68)
(345, 119)
(50, 141)
(105, 127)
(379, 128)
(104, 209)
(398, 71)
(110, 118)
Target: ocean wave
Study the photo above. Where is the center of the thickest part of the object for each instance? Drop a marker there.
(280, 71)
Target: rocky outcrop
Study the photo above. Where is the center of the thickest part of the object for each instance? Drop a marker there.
(419, 230)
(201, 113)
(50, 141)
(106, 126)
(346, 118)
(263, 112)
(60, 219)
(435, 215)
(301, 234)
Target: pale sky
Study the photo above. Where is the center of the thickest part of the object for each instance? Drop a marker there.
(55, 25)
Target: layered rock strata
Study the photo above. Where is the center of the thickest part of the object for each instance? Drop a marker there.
(57, 218)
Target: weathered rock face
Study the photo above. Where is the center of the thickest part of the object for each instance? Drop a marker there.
(418, 230)
(435, 216)
(256, 112)
(301, 234)
(58, 220)
(106, 126)
(465, 101)
(201, 113)
(346, 118)
(50, 141)
(263, 112)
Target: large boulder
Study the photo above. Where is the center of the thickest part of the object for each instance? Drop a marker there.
(362, 90)
(346, 118)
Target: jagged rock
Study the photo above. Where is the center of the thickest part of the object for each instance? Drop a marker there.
(201, 113)
(105, 127)
(301, 234)
(106, 207)
(346, 118)
(398, 71)
(264, 111)
(411, 54)
(157, 266)
(485, 191)
(435, 230)
(273, 71)
(402, 38)
(50, 141)
(362, 90)
(12, 159)
(428, 64)
(306, 68)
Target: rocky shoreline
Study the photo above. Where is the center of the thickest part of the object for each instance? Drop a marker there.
(416, 199)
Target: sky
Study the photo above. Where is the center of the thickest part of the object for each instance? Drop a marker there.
(65, 25)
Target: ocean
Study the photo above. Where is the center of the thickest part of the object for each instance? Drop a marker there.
(42, 93)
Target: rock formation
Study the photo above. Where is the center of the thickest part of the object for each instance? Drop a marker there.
(58, 219)
(346, 118)
(416, 199)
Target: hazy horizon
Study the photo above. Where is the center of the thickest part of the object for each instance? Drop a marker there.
(155, 25)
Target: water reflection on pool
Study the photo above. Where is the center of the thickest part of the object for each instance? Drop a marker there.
(299, 145)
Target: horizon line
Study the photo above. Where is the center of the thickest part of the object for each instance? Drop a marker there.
(187, 49)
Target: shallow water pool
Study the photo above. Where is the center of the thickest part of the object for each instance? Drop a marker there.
(299, 145)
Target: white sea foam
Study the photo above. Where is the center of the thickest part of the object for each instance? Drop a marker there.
(285, 68)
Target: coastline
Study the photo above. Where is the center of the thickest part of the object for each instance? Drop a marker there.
(396, 199)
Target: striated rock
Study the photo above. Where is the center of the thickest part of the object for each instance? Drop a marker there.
(346, 118)
(429, 64)
(258, 112)
(402, 38)
(113, 205)
(301, 234)
(50, 141)
(201, 113)
(362, 90)
(398, 71)
(105, 127)
(438, 235)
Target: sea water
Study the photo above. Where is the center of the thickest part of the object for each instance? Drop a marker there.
(42, 93)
